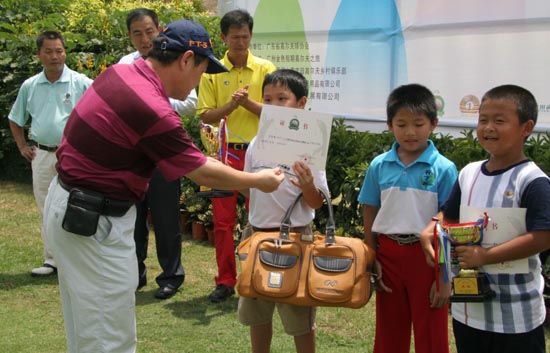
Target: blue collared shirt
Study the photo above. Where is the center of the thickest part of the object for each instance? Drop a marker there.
(408, 196)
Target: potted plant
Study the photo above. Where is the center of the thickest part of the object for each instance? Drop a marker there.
(206, 218)
(186, 196)
(195, 208)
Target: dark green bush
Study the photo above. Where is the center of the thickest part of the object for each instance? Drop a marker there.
(537, 149)
(96, 37)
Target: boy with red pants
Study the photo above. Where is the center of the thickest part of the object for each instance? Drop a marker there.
(402, 190)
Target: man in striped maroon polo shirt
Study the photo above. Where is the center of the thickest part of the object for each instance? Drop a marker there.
(121, 129)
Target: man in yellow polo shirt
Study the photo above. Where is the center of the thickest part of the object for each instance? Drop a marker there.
(235, 96)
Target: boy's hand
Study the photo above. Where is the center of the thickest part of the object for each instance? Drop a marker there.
(426, 241)
(305, 181)
(441, 298)
(379, 284)
(470, 256)
(304, 177)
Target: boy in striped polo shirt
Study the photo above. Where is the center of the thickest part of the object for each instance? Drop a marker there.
(512, 320)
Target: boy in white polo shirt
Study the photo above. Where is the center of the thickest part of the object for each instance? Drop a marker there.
(286, 88)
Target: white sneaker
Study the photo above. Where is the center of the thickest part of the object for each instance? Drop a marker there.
(44, 270)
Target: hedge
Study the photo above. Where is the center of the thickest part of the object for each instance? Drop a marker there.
(96, 37)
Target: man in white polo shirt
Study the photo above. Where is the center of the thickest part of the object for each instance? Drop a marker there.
(48, 99)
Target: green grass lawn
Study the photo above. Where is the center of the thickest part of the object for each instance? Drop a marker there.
(30, 310)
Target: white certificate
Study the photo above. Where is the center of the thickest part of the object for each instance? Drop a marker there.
(504, 224)
(286, 135)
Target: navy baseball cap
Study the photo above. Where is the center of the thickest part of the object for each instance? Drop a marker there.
(184, 35)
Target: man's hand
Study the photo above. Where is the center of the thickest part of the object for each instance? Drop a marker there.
(240, 96)
(269, 179)
(28, 152)
(18, 133)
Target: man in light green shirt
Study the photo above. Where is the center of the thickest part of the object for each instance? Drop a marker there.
(47, 99)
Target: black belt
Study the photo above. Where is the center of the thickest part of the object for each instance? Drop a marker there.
(237, 146)
(268, 230)
(403, 239)
(109, 207)
(44, 147)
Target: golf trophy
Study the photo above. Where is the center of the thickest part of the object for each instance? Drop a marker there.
(468, 285)
(213, 139)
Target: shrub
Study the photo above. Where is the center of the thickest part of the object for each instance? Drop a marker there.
(537, 149)
(96, 37)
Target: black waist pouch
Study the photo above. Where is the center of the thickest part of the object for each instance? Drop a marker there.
(83, 211)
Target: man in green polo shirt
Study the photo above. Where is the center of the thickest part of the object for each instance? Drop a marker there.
(47, 99)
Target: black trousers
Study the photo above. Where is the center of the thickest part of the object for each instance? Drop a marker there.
(162, 200)
(471, 340)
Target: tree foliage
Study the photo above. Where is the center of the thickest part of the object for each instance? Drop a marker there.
(95, 35)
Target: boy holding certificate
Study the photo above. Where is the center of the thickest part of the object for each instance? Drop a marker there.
(285, 88)
(506, 186)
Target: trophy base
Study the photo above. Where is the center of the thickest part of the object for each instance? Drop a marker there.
(214, 193)
(477, 298)
(471, 289)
